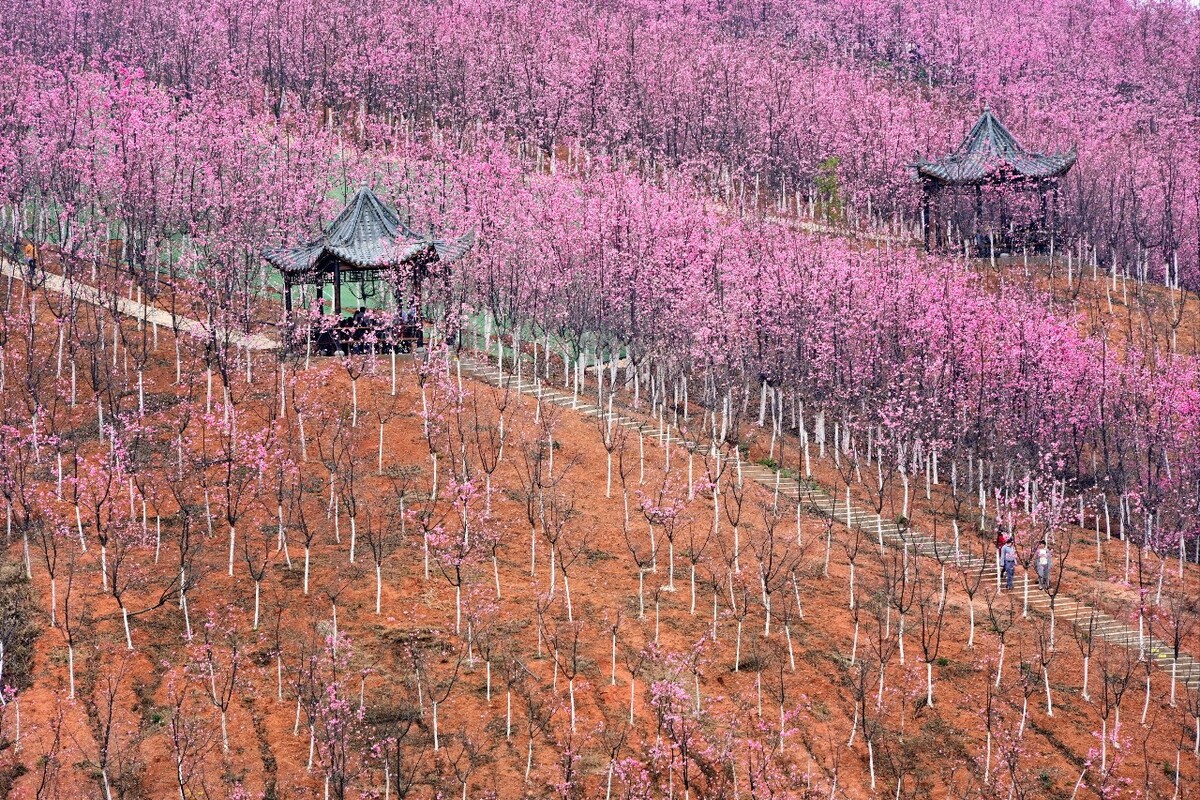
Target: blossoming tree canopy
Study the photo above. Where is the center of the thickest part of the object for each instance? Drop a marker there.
(991, 156)
(367, 237)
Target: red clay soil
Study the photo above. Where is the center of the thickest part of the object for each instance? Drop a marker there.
(1149, 315)
(937, 751)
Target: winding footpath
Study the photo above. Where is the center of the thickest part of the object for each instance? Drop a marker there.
(148, 315)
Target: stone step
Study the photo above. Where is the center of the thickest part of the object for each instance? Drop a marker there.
(822, 502)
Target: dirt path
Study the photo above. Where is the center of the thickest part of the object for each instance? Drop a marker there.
(131, 308)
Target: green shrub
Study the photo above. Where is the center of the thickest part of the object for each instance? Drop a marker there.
(18, 631)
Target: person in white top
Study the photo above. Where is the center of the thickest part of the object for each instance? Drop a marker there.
(1042, 560)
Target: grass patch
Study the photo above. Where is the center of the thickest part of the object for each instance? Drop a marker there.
(594, 556)
(787, 473)
(750, 664)
(18, 630)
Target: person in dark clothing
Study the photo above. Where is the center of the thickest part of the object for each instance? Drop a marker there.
(356, 330)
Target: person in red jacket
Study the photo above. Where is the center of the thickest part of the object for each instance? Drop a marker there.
(1002, 539)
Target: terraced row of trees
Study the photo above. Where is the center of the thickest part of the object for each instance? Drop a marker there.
(831, 99)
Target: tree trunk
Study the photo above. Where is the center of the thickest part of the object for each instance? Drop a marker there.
(692, 584)
(125, 621)
(571, 693)
(971, 612)
(567, 596)
(1000, 665)
(379, 466)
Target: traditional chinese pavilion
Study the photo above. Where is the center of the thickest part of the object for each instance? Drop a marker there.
(991, 157)
(367, 237)
(366, 242)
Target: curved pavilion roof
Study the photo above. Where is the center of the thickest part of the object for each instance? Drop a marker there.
(991, 153)
(368, 235)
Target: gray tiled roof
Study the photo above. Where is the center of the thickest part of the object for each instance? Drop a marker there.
(990, 150)
(369, 234)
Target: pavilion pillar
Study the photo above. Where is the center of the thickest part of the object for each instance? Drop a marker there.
(1004, 221)
(978, 214)
(287, 295)
(337, 288)
(941, 237)
(1045, 212)
(1054, 214)
(926, 220)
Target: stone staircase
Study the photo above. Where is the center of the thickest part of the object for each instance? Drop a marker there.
(1103, 626)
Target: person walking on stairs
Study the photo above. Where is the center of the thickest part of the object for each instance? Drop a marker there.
(1042, 560)
(1008, 558)
(1002, 539)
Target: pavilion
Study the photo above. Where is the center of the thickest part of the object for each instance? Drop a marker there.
(990, 156)
(366, 241)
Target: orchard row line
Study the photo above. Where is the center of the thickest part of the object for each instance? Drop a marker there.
(1185, 669)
